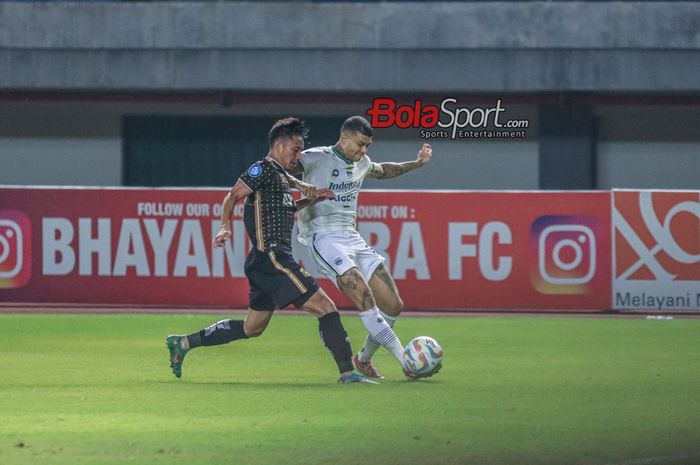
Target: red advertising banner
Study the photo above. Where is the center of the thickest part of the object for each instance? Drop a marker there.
(446, 250)
(657, 250)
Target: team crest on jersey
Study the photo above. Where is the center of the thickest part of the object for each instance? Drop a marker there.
(336, 173)
(255, 170)
(348, 171)
(304, 272)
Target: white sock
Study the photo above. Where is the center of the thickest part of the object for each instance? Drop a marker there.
(380, 332)
(370, 347)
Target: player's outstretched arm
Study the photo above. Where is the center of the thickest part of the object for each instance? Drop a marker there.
(321, 194)
(307, 190)
(388, 170)
(237, 192)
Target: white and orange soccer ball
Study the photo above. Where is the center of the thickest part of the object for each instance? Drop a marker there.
(423, 356)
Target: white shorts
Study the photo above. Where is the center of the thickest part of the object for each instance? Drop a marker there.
(338, 251)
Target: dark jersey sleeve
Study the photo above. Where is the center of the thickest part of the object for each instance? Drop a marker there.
(256, 175)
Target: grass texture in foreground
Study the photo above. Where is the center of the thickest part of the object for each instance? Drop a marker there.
(96, 389)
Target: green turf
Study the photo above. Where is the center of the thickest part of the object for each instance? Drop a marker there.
(96, 389)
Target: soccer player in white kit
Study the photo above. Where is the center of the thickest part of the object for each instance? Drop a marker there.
(329, 230)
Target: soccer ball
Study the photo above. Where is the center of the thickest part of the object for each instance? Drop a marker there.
(423, 356)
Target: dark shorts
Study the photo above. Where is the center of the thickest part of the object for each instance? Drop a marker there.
(276, 280)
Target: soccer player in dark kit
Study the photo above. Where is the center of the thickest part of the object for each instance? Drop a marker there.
(275, 279)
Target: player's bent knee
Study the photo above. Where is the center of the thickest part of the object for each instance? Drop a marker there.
(394, 308)
(327, 306)
(319, 304)
(252, 330)
(257, 332)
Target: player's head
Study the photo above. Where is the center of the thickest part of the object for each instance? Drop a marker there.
(355, 137)
(286, 140)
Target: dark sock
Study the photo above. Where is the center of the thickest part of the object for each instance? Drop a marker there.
(336, 339)
(219, 333)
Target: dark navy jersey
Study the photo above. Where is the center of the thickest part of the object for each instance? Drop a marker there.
(269, 210)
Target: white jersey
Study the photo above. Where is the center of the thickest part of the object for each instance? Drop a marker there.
(326, 167)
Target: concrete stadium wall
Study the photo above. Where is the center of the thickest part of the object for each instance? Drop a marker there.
(342, 50)
(346, 47)
(456, 165)
(80, 144)
(461, 165)
(60, 161)
(648, 165)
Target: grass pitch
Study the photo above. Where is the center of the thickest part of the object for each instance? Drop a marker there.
(96, 389)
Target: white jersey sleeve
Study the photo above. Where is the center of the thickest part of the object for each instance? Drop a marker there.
(311, 158)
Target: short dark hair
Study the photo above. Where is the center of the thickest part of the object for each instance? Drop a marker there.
(357, 124)
(287, 128)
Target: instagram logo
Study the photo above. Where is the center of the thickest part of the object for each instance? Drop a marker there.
(15, 249)
(563, 253)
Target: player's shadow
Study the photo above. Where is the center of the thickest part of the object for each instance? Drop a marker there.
(292, 385)
(257, 385)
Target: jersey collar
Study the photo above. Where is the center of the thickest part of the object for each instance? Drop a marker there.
(275, 163)
(337, 153)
